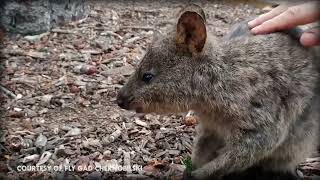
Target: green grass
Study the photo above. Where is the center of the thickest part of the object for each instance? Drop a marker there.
(188, 163)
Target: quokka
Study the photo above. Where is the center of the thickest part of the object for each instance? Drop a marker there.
(257, 97)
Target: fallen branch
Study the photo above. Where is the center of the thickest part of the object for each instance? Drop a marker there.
(7, 92)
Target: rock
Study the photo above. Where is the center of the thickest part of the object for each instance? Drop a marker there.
(20, 17)
(41, 141)
(66, 11)
(85, 69)
(46, 99)
(107, 153)
(74, 89)
(73, 132)
(27, 143)
(33, 157)
(19, 96)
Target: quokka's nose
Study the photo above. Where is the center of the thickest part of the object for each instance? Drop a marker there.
(123, 101)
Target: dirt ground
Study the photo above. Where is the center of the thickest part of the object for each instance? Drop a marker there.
(58, 96)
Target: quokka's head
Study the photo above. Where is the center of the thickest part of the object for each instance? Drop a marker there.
(163, 81)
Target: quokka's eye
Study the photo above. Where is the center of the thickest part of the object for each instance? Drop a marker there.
(147, 77)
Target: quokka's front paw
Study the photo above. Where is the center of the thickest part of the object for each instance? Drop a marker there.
(202, 174)
(197, 175)
(188, 176)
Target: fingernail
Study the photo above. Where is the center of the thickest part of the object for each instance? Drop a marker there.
(309, 39)
(255, 30)
(251, 23)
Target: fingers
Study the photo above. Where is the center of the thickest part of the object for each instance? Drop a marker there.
(293, 16)
(310, 38)
(269, 15)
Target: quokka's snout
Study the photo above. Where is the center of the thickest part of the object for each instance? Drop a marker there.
(123, 100)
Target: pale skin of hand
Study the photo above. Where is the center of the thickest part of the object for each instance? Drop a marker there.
(285, 17)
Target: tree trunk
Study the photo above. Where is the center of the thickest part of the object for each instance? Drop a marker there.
(38, 16)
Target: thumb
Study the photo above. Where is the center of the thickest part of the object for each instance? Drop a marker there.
(310, 37)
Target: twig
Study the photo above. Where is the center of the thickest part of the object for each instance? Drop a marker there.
(7, 92)
(139, 27)
(14, 52)
(147, 11)
(62, 31)
(112, 34)
(75, 23)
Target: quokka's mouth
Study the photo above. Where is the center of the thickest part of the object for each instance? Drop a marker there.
(130, 104)
(136, 106)
(139, 110)
(124, 101)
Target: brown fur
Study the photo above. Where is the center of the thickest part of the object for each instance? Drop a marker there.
(256, 96)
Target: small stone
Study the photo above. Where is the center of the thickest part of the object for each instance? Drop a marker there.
(73, 132)
(107, 153)
(41, 141)
(46, 99)
(85, 69)
(19, 96)
(74, 89)
(30, 158)
(27, 143)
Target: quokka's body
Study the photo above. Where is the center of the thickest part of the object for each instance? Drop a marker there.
(256, 97)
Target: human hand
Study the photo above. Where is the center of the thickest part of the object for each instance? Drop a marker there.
(285, 17)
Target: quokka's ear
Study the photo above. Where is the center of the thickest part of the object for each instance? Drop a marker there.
(191, 31)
